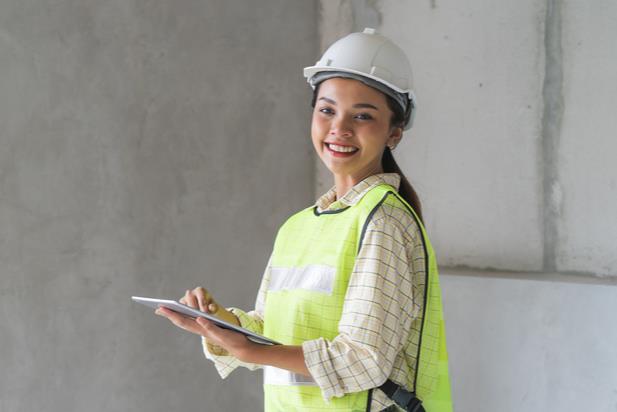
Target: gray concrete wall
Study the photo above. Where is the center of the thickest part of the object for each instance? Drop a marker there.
(522, 344)
(511, 150)
(512, 153)
(587, 171)
(141, 150)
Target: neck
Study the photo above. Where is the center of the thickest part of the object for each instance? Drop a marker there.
(344, 183)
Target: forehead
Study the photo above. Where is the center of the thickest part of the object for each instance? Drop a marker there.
(350, 90)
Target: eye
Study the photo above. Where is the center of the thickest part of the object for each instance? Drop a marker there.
(326, 110)
(364, 116)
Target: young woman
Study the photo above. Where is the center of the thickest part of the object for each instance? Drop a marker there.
(351, 288)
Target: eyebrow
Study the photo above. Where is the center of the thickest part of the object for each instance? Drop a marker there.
(356, 106)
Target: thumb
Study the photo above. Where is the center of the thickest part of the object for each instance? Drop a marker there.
(213, 308)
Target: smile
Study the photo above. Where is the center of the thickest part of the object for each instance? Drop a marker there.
(341, 150)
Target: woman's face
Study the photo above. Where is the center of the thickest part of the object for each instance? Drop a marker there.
(350, 128)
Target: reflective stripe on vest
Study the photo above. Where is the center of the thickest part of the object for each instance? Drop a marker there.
(276, 376)
(319, 278)
(313, 258)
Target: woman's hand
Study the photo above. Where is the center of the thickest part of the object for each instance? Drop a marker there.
(224, 342)
(200, 298)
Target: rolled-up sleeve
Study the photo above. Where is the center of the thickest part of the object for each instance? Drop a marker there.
(374, 325)
(225, 364)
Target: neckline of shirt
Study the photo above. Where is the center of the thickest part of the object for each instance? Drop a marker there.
(328, 200)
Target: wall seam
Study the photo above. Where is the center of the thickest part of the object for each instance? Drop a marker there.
(552, 93)
(561, 277)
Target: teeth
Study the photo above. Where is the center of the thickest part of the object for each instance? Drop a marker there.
(343, 149)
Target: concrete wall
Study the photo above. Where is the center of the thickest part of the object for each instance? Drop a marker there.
(522, 344)
(512, 147)
(587, 171)
(512, 153)
(141, 145)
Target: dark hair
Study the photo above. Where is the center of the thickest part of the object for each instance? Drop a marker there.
(388, 163)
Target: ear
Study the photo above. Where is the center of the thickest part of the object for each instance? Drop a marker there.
(395, 136)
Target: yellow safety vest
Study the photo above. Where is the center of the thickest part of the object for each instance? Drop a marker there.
(313, 257)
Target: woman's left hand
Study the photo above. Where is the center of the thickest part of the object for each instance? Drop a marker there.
(233, 342)
(236, 344)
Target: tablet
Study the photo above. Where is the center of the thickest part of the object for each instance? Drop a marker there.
(194, 313)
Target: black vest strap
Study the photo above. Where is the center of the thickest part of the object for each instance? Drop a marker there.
(402, 397)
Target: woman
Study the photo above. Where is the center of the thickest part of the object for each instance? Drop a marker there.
(351, 288)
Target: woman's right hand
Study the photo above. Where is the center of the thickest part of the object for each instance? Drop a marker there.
(199, 298)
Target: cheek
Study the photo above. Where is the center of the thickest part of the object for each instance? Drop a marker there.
(379, 133)
(319, 129)
(379, 127)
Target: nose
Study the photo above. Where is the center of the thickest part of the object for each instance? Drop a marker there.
(340, 127)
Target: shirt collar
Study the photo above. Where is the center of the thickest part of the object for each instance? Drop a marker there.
(328, 200)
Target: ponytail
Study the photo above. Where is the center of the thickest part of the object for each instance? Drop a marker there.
(389, 164)
(405, 189)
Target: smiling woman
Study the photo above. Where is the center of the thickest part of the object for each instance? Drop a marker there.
(351, 288)
(351, 126)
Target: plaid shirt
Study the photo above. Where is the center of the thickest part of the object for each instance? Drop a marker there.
(385, 296)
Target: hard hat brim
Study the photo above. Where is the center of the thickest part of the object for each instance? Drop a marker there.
(311, 71)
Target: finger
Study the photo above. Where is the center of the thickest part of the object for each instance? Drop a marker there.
(210, 330)
(213, 308)
(180, 321)
(224, 338)
(203, 298)
(190, 299)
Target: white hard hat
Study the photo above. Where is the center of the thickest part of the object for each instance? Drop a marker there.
(369, 55)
